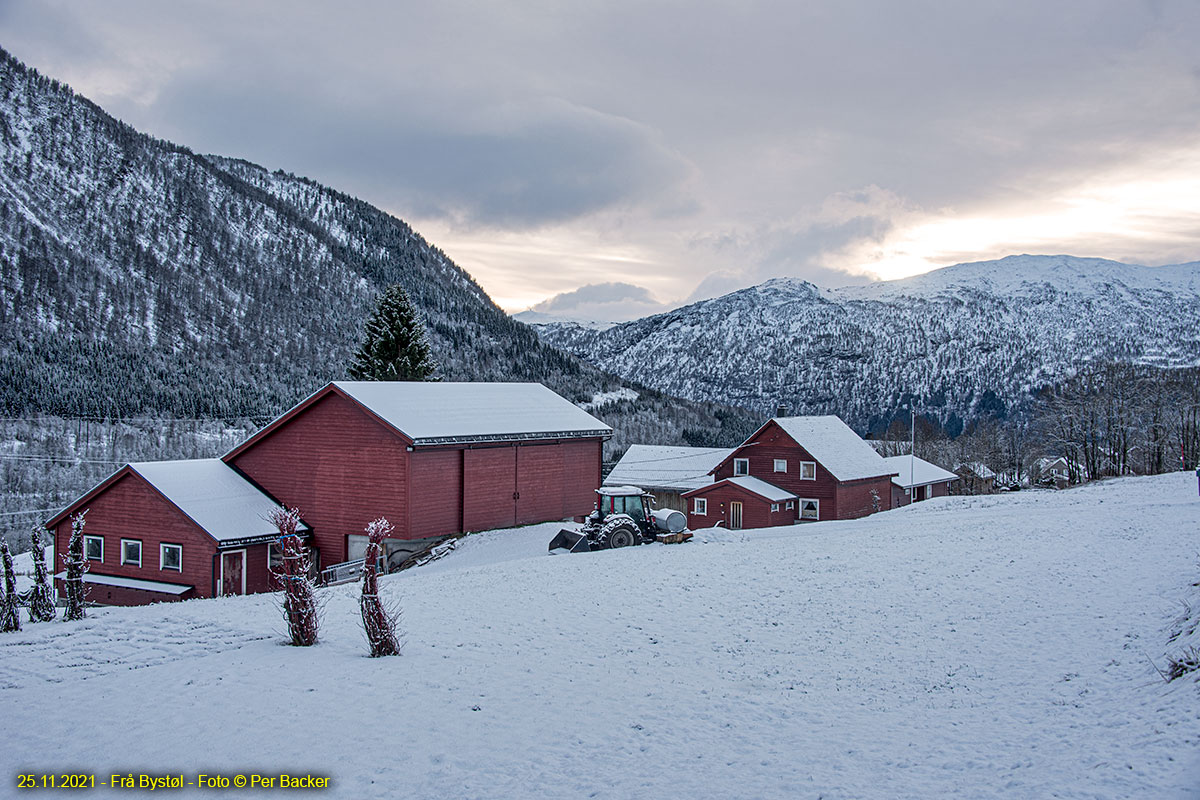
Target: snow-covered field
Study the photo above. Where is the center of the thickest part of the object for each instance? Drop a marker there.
(963, 647)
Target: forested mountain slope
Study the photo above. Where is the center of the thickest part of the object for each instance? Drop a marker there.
(968, 341)
(140, 278)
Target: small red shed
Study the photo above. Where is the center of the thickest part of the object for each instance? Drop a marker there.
(435, 458)
(917, 480)
(741, 502)
(826, 465)
(171, 530)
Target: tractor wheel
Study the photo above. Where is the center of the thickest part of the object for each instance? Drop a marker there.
(618, 530)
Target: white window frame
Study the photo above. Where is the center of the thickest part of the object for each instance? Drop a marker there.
(88, 540)
(774, 507)
(810, 465)
(804, 500)
(781, 465)
(162, 561)
(700, 506)
(791, 505)
(129, 562)
(745, 462)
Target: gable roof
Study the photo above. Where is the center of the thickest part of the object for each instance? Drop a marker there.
(658, 467)
(208, 491)
(834, 445)
(443, 412)
(977, 468)
(925, 472)
(767, 491)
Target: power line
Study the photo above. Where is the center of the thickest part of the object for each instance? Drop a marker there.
(58, 459)
(29, 511)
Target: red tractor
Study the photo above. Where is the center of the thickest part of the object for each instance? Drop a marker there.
(624, 516)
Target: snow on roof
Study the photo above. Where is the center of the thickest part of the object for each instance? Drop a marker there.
(978, 467)
(218, 499)
(130, 583)
(439, 412)
(760, 487)
(654, 466)
(838, 449)
(926, 473)
(619, 491)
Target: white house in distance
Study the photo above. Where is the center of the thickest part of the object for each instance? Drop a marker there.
(918, 480)
(667, 472)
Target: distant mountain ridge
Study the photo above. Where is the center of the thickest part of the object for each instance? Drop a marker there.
(140, 277)
(966, 341)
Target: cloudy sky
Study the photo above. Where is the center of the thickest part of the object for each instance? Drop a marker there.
(654, 152)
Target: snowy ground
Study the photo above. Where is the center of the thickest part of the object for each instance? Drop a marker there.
(963, 647)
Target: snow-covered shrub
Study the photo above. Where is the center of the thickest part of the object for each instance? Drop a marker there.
(378, 621)
(76, 566)
(299, 596)
(10, 618)
(41, 598)
(1182, 664)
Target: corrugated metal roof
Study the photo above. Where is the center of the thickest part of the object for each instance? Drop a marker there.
(658, 467)
(213, 495)
(442, 412)
(838, 448)
(926, 473)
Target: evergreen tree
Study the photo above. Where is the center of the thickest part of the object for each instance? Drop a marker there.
(76, 566)
(10, 619)
(41, 601)
(396, 347)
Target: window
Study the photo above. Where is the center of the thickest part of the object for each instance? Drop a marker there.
(93, 548)
(781, 465)
(774, 507)
(700, 506)
(790, 505)
(810, 509)
(131, 552)
(808, 470)
(170, 556)
(741, 466)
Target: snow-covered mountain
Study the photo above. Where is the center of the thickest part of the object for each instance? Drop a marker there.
(139, 277)
(968, 340)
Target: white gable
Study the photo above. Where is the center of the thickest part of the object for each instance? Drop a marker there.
(213, 495)
(440, 412)
(925, 472)
(838, 449)
(658, 467)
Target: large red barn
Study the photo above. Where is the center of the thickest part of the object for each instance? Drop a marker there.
(435, 458)
(171, 530)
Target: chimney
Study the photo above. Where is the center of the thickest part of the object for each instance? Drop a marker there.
(781, 410)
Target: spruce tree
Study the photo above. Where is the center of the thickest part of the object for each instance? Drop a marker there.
(41, 602)
(10, 619)
(395, 347)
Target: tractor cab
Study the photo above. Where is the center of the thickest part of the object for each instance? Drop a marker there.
(624, 500)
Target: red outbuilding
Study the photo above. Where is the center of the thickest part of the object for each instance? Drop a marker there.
(742, 502)
(435, 458)
(171, 530)
(918, 480)
(826, 466)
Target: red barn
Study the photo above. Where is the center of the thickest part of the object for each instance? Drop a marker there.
(434, 458)
(171, 530)
(832, 473)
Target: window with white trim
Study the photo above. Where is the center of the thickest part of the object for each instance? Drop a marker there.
(741, 466)
(131, 552)
(93, 548)
(781, 465)
(791, 504)
(808, 470)
(700, 506)
(810, 509)
(774, 507)
(170, 556)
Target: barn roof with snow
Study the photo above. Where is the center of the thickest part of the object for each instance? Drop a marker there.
(209, 492)
(838, 448)
(917, 472)
(443, 412)
(662, 467)
(767, 491)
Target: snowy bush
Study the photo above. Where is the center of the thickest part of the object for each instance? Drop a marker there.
(379, 622)
(299, 597)
(41, 597)
(10, 619)
(76, 566)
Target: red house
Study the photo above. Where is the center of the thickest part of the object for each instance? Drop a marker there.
(171, 530)
(917, 480)
(820, 461)
(741, 502)
(434, 458)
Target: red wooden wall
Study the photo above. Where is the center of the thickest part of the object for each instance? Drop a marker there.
(130, 508)
(772, 443)
(756, 511)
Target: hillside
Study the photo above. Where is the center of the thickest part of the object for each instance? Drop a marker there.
(969, 341)
(141, 278)
(991, 647)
